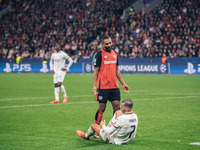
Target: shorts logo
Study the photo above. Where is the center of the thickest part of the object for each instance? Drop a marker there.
(114, 56)
(100, 97)
(105, 56)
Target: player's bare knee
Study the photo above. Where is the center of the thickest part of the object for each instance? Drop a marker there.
(116, 108)
(118, 113)
(102, 109)
(94, 126)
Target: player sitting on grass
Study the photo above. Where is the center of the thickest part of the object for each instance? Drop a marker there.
(121, 128)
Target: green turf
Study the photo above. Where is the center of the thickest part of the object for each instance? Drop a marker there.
(168, 108)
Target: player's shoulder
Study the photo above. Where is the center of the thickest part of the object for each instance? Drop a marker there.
(53, 54)
(63, 53)
(114, 51)
(121, 120)
(98, 54)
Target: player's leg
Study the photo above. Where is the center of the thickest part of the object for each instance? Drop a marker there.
(99, 113)
(61, 79)
(56, 89)
(90, 132)
(102, 98)
(114, 97)
(96, 128)
(115, 105)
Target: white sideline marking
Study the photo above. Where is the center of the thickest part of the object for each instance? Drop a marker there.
(196, 143)
(34, 105)
(10, 99)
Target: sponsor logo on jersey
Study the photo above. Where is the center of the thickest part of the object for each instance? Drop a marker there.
(110, 62)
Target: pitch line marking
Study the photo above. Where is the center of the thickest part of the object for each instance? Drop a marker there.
(10, 99)
(196, 143)
(35, 105)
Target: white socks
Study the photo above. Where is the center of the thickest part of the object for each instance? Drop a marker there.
(63, 90)
(89, 132)
(56, 92)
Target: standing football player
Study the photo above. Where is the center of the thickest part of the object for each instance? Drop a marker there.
(57, 66)
(105, 85)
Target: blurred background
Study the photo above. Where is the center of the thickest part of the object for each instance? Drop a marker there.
(150, 36)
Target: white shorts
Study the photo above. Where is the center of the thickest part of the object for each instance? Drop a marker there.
(105, 137)
(59, 77)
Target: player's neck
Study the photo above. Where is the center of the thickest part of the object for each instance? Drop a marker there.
(107, 50)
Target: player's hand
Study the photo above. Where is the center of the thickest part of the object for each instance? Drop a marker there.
(63, 69)
(94, 91)
(53, 71)
(126, 88)
(102, 123)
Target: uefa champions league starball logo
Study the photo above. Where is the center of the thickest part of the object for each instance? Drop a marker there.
(163, 68)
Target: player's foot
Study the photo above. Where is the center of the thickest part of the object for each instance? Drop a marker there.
(81, 134)
(55, 101)
(65, 99)
(96, 135)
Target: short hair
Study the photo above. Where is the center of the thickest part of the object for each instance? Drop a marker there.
(105, 38)
(128, 103)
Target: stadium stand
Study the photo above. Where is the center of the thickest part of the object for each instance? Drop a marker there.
(33, 28)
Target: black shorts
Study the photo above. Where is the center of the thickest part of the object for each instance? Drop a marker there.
(108, 94)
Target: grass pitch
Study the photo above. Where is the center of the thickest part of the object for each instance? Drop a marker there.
(168, 108)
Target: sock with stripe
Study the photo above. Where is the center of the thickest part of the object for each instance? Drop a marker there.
(98, 116)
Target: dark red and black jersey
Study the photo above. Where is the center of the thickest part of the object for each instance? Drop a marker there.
(108, 62)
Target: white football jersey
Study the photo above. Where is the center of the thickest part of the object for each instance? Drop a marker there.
(125, 129)
(58, 61)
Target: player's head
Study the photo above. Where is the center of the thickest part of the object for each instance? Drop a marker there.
(57, 47)
(126, 105)
(107, 43)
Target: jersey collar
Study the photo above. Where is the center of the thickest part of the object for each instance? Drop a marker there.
(129, 113)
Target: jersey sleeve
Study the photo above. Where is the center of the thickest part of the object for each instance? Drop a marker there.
(66, 56)
(51, 62)
(117, 59)
(119, 122)
(97, 60)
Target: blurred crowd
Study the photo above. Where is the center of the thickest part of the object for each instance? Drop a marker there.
(34, 26)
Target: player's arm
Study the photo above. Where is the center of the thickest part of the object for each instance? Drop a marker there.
(97, 65)
(108, 130)
(119, 76)
(51, 64)
(95, 76)
(70, 62)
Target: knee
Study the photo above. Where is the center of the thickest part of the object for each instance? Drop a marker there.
(118, 113)
(102, 108)
(116, 108)
(93, 126)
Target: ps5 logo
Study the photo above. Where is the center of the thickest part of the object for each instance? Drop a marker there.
(17, 67)
(190, 69)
